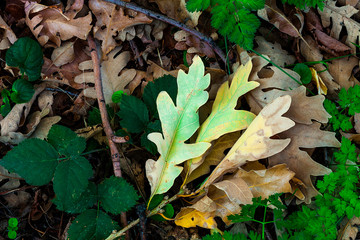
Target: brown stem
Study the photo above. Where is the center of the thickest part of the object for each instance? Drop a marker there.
(173, 22)
(115, 156)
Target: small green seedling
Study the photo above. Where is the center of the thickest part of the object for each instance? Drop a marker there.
(117, 96)
(12, 227)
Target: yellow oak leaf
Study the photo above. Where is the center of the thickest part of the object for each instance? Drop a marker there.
(224, 118)
(255, 143)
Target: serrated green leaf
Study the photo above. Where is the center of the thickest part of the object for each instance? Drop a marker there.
(22, 91)
(87, 199)
(145, 142)
(70, 180)
(117, 96)
(134, 114)
(34, 160)
(116, 195)
(304, 72)
(178, 123)
(94, 116)
(26, 54)
(92, 225)
(151, 91)
(65, 141)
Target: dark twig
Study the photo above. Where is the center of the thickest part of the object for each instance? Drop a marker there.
(173, 22)
(115, 156)
(136, 52)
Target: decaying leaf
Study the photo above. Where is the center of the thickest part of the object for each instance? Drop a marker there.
(51, 25)
(225, 198)
(278, 55)
(339, 17)
(179, 122)
(63, 54)
(114, 76)
(320, 85)
(305, 136)
(111, 20)
(7, 36)
(224, 118)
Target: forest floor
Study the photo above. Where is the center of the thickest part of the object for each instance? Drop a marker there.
(192, 121)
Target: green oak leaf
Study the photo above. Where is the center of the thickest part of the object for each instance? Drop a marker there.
(304, 72)
(70, 181)
(116, 195)
(65, 141)
(179, 121)
(34, 160)
(151, 91)
(134, 114)
(22, 91)
(92, 225)
(26, 54)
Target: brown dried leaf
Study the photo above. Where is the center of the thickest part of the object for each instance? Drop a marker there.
(278, 55)
(111, 20)
(266, 182)
(342, 71)
(51, 25)
(63, 54)
(339, 17)
(349, 228)
(7, 36)
(223, 199)
(113, 74)
(299, 161)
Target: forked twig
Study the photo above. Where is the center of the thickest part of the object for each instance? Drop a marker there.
(115, 156)
(173, 22)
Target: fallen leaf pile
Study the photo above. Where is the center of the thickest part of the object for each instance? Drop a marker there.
(245, 129)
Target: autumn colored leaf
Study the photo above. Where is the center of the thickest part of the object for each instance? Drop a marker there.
(224, 118)
(50, 25)
(179, 122)
(256, 143)
(111, 20)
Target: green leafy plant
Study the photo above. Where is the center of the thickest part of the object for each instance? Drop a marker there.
(12, 228)
(168, 210)
(232, 236)
(234, 19)
(338, 199)
(349, 104)
(26, 54)
(304, 72)
(60, 160)
(141, 117)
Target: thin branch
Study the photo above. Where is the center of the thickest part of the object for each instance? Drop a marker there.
(115, 235)
(173, 22)
(115, 156)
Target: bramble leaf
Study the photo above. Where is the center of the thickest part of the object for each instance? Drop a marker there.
(92, 225)
(116, 195)
(134, 114)
(26, 54)
(178, 123)
(70, 180)
(65, 141)
(33, 159)
(145, 142)
(6, 107)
